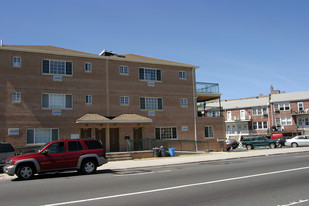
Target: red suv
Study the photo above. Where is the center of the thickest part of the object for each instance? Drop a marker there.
(84, 155)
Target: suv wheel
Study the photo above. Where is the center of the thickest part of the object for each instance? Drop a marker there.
(272, 145)
(25, 172)
(294, 145)
(88, 167)
(249, 147)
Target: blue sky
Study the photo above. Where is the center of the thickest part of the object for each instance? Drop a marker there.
(244, 45)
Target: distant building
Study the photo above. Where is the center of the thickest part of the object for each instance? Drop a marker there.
(278, 112)
(50, 93)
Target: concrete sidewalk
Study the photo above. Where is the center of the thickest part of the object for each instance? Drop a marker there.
(189, 158)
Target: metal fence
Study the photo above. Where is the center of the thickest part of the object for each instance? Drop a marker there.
(179, 145)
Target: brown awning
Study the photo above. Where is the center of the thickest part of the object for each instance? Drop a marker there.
(124, 118)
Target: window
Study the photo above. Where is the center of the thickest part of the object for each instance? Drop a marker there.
(16, 61)
(88, 99)
(41, 136)
(88, 67)
(259, 111)
(16, 97)
(300, 106)
(184, 102)
(57, 67)
(124, 70)
(209, 131)
(149, 103)
(166, 133)
(283, 121)
(124, 100)
(150, 74)
(182, 75)
(74, 146)
(91, 144)
(259, 125)
(282, 107)
(57, 101)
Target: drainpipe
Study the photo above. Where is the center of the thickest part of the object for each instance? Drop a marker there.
(194, 106)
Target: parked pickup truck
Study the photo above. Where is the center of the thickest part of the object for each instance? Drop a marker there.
(258, 141)
(84, 155)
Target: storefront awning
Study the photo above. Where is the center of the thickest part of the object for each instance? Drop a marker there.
(124, 118)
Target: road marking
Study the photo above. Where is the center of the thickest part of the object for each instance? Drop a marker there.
(162, 171)
(177, 187)
(142, 173)
(301, 156)
(295, 203)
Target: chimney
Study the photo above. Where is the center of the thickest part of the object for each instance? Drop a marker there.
(1, 42)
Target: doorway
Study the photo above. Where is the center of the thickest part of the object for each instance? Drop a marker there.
(85, 133)
(114, 139)
(138, 138)
(100, 136)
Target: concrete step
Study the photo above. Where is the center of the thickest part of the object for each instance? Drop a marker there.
(118, 156)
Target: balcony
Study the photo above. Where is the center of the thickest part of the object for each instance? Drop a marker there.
(207, 91)
(300, 112)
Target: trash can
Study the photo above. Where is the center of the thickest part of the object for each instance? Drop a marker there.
(156, 152)
(172, 151)
(163, 151)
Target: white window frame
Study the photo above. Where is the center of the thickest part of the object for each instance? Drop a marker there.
(88, 99)
(259, 111)
(16, 61)
(57, 67)
(151, 103)
(184, 102)
(284, 106)
(57, 101)
(166, 133)
(150, 74)
(123, 70)
(300, 106)
(42, 135)
(183, 75)
(259, 125)
(124, 100)
(210, 132)
(16, 97)
(88, 67)
(284, 121)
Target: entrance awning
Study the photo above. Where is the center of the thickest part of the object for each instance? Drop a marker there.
(124, 118)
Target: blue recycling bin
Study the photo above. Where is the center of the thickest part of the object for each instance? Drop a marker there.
(172, 151)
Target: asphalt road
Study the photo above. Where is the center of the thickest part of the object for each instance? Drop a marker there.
(274, 180)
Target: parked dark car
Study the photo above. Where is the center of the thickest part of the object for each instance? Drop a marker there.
(281, 141)
(6, 151)
(258, 141)
(231, 144)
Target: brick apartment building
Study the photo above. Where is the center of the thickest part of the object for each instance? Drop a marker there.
(50, 93)
(277, 113)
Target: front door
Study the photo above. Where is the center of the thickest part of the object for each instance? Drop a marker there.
(138, 142)
(114, 139)
(100, 136)
(85, 133)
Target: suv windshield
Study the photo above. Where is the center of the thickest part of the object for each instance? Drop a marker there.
(6, 148)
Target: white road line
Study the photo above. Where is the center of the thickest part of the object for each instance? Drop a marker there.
(177, 187)
(162, 171)
(142, 173)
(304, 156)
(295, 203)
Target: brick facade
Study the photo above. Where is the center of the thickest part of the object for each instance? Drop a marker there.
(106, 86)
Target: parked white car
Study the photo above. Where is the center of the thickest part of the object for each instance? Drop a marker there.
(302, 140)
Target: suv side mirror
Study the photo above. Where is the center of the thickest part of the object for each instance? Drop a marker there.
(45, 152)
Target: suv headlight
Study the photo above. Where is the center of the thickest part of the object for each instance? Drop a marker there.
(8, 162)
